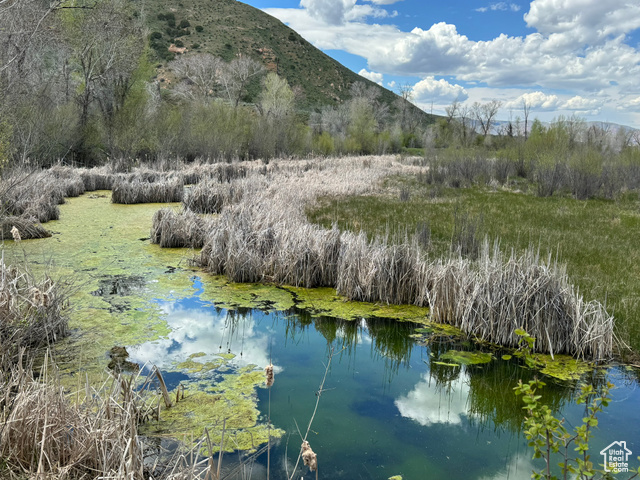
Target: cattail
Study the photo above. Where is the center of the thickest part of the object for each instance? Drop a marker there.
(16, 234)
(309, 457)
(269, 371)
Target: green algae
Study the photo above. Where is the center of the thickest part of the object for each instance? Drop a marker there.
(437, 330)
(562, 367)
(96, 242)
(226, 356)
(466, 358)
(229, 405)
(445, 364)
(224, 294)
(327, 302)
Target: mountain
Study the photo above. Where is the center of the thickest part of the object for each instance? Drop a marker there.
(227, 28)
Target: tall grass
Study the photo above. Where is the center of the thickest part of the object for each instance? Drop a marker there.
(138, 191)
(31, 312)
(171, 229)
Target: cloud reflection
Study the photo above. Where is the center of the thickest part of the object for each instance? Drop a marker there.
(208, 331)
(428, 404)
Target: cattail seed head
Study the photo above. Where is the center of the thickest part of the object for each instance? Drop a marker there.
(269, 372)
(309, 457)
(16, 234)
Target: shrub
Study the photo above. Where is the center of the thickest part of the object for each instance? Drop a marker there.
(199, 28)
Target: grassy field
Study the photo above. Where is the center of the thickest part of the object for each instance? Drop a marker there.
(597, 239)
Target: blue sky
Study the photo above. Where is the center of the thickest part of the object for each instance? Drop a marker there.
(562, 57)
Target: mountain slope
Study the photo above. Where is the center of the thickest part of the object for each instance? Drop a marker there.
(226, 28)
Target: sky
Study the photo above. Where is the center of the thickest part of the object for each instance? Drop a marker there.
(563, 57)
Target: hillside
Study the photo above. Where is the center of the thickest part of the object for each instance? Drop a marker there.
(226, 28)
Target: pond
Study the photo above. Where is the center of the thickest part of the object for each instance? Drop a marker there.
(394, 402)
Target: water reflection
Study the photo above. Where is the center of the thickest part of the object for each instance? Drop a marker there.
(204, 333)
(429, 402)
(389, 403)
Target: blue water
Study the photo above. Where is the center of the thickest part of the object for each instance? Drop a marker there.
(386, 408)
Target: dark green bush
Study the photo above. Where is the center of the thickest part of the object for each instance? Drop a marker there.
(184, 24)
(199, 28)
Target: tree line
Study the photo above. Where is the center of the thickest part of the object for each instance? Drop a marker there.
(78, 83)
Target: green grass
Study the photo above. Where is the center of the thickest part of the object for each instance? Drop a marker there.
(596, 239)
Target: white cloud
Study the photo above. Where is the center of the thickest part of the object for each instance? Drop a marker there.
(581, 103)
(427, 405)
(634, 102)
(384, 2)
(548, 60)
(338, 12)
(438, 91)
(518, 467)
(579, 47)
(373, 76)
(500, 6)
(536, 100)
(585, 21)
(196, 331)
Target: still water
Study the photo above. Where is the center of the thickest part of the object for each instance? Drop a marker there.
(389, 405)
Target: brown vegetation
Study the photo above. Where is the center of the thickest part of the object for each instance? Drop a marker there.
(266, 238)
(172, 229)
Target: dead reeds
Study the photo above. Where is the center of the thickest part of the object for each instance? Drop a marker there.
(266, 238)
(26, 228)
(172, 229)
(210, 196)
(31, 312)
(138, 191)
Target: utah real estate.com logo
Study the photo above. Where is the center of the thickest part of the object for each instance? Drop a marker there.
(616, 457)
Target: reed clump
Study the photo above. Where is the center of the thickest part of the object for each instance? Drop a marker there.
(26, 228)
(139, 191)
(44, 433)
(98, 178)
(31, 312)
(210, 196)
(172, 229)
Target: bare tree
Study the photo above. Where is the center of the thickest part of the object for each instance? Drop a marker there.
(485, 114)
(452, 110)
(203, 72)
(526, 108)
(107, 43)
(236, 76)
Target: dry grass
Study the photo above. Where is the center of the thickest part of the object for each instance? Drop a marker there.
(210, 196)
(126, 191)
(266, 238)
(31, 312)
(26, 227)
(171, 229)
(44, 433)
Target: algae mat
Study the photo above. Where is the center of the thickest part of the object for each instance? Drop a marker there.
(125, 291)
